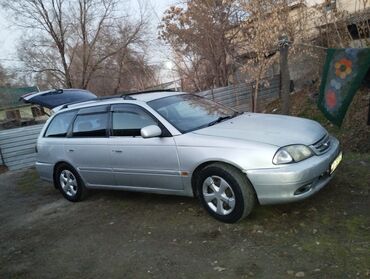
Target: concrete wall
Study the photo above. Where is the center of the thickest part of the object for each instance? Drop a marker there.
(350, 6)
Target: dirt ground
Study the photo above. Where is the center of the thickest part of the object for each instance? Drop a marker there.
(131, 235)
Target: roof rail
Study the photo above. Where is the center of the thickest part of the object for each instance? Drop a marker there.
(125, 96)
(97, 99)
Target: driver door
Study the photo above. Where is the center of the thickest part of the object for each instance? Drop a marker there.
(137, 161)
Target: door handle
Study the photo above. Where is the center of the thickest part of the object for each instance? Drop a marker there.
(117, 151)
(71, 150)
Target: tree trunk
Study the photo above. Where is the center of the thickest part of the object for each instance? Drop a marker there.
(285, 79)
(68, 79)
(255, 96)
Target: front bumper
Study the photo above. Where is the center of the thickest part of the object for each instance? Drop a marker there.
(294, 182)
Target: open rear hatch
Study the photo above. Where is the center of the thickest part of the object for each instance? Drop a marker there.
(55, 98)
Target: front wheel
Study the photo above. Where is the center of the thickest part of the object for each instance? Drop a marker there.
(225, 192)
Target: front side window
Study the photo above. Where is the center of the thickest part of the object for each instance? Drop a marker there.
(91, 125)
(128, 121)
(59, 125)
(189, 112)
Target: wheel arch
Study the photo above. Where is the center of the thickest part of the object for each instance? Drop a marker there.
(202, 165)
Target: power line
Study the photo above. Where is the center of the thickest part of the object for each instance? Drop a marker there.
(310, 45)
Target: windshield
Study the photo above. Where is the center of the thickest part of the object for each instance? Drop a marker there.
(190, 112)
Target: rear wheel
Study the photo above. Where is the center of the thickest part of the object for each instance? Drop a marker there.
(225, 192)
(69, 183)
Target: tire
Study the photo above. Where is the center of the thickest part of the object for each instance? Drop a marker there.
(225, 192)
(69, 183)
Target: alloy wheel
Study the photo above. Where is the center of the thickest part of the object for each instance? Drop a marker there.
(218, 195)
(68, 182)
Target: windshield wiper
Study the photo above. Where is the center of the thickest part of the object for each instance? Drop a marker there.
(222, 118)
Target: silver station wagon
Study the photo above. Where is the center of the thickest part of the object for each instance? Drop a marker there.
(181, 144)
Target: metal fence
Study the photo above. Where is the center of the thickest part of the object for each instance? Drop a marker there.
(18, 146)
(239, 96)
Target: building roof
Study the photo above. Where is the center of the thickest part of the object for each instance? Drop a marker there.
(9, 96)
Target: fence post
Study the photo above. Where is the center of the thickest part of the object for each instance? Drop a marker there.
(2, 157)
(368, 115)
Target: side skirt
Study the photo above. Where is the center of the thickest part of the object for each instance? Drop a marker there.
(142, 189)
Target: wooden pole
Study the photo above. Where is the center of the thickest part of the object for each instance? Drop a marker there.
(368, 116)
(284, 74)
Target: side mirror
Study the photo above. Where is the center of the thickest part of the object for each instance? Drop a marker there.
(150, 131)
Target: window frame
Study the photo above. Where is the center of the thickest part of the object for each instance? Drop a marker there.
(99, 109)
(68, 128)
(109, 109)
(165, 132)
(185, 94)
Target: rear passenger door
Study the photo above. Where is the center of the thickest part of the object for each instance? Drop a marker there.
(87, 146)
(138, 162)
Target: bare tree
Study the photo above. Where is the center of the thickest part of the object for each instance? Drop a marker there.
(4, 76)
(49, 18)
(102, 35)
(203, 32)
(72, 41)
(267, 22)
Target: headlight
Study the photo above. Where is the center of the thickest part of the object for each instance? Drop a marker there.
(292, 153)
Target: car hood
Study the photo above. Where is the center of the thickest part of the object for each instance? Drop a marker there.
(279, 130)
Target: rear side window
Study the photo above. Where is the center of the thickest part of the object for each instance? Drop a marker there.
(59, 125)
(91, 125)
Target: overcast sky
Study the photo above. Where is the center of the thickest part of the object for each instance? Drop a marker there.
(10, 34)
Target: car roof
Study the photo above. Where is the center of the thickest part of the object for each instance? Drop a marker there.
(128, 98)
